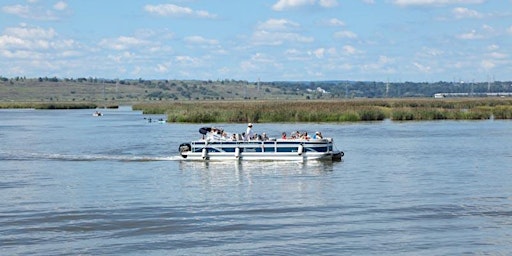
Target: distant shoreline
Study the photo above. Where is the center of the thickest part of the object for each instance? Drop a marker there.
(268, 111)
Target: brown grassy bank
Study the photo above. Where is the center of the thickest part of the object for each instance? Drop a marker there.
(331, 110)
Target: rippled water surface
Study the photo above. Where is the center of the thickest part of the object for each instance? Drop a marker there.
(71, 183)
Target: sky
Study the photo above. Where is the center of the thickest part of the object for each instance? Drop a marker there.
(267, 40)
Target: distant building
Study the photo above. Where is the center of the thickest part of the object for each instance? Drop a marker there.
(318, 89)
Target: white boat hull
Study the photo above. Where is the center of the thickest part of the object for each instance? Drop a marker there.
(257, 156)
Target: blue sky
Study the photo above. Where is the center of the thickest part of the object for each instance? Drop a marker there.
(271, 40)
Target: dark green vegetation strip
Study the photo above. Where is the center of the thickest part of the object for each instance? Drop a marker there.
(331, 110)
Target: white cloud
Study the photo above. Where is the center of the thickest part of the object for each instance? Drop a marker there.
(487, 64)
(187, 61)
(260, 61)
(488, 29)
(32, 38)
(319, 53)
(20, 10)
(278, 38)
(335, 22)
(422, 68)
(493, 47)
(162, 68)
(278, 31)
(60, 6)
(37, 49)
(462, 13)
(290, 4)
(382, 65)
(285, 4)
(277, 24)
(121, 57)
(498, 55)
(201, 40)
(328, 3)
(434, 2)
(36, 11)
(173, 10)
(349, 50)
(429, 53)
(122, 43)
(345, 34)
(25, 31)
(295, 55)
(471, 35)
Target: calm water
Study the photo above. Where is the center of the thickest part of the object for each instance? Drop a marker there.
(71, 183)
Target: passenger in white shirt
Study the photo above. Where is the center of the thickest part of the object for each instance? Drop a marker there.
(249, 134)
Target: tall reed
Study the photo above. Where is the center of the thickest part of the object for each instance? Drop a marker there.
(331, 111)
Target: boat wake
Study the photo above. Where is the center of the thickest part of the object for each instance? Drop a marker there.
(86, 157)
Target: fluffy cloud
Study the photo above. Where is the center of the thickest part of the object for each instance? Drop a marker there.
(37, 11)
(422, 68)
(201, 40)
(277, 24)
(20, 10)
(349, 50)
(31, 38)
(26, 49)
(319, 53)
(485, 32)
(345, 34)
(24, 31)
(335, 22)
(277, 32)
(471, 35)
(434, 2)
(60, 6)
(278, 38)
(328, 3)
(172, 10)
(122, 43)
(462, 13)
(487, 64)
(289, 4)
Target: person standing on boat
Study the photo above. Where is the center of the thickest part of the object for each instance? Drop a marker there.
(249, 133)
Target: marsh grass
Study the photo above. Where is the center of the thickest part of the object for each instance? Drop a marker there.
(308, 110)
(331, 111)
(502, 112)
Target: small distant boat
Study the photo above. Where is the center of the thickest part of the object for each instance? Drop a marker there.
(159, 120)
(217, 148)
(97, 113)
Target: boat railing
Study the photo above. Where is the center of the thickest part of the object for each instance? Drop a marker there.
(272, 140)
(262, 144)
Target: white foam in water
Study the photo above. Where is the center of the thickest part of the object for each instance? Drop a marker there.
(85, 157)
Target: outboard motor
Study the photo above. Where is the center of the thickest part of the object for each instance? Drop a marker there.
(184, 147)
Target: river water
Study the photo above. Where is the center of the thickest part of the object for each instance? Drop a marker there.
(71, 183)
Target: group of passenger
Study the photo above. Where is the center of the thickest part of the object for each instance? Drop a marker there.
(302, 136)
(250, 135)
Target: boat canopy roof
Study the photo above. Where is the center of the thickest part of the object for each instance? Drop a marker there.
(205, 130)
